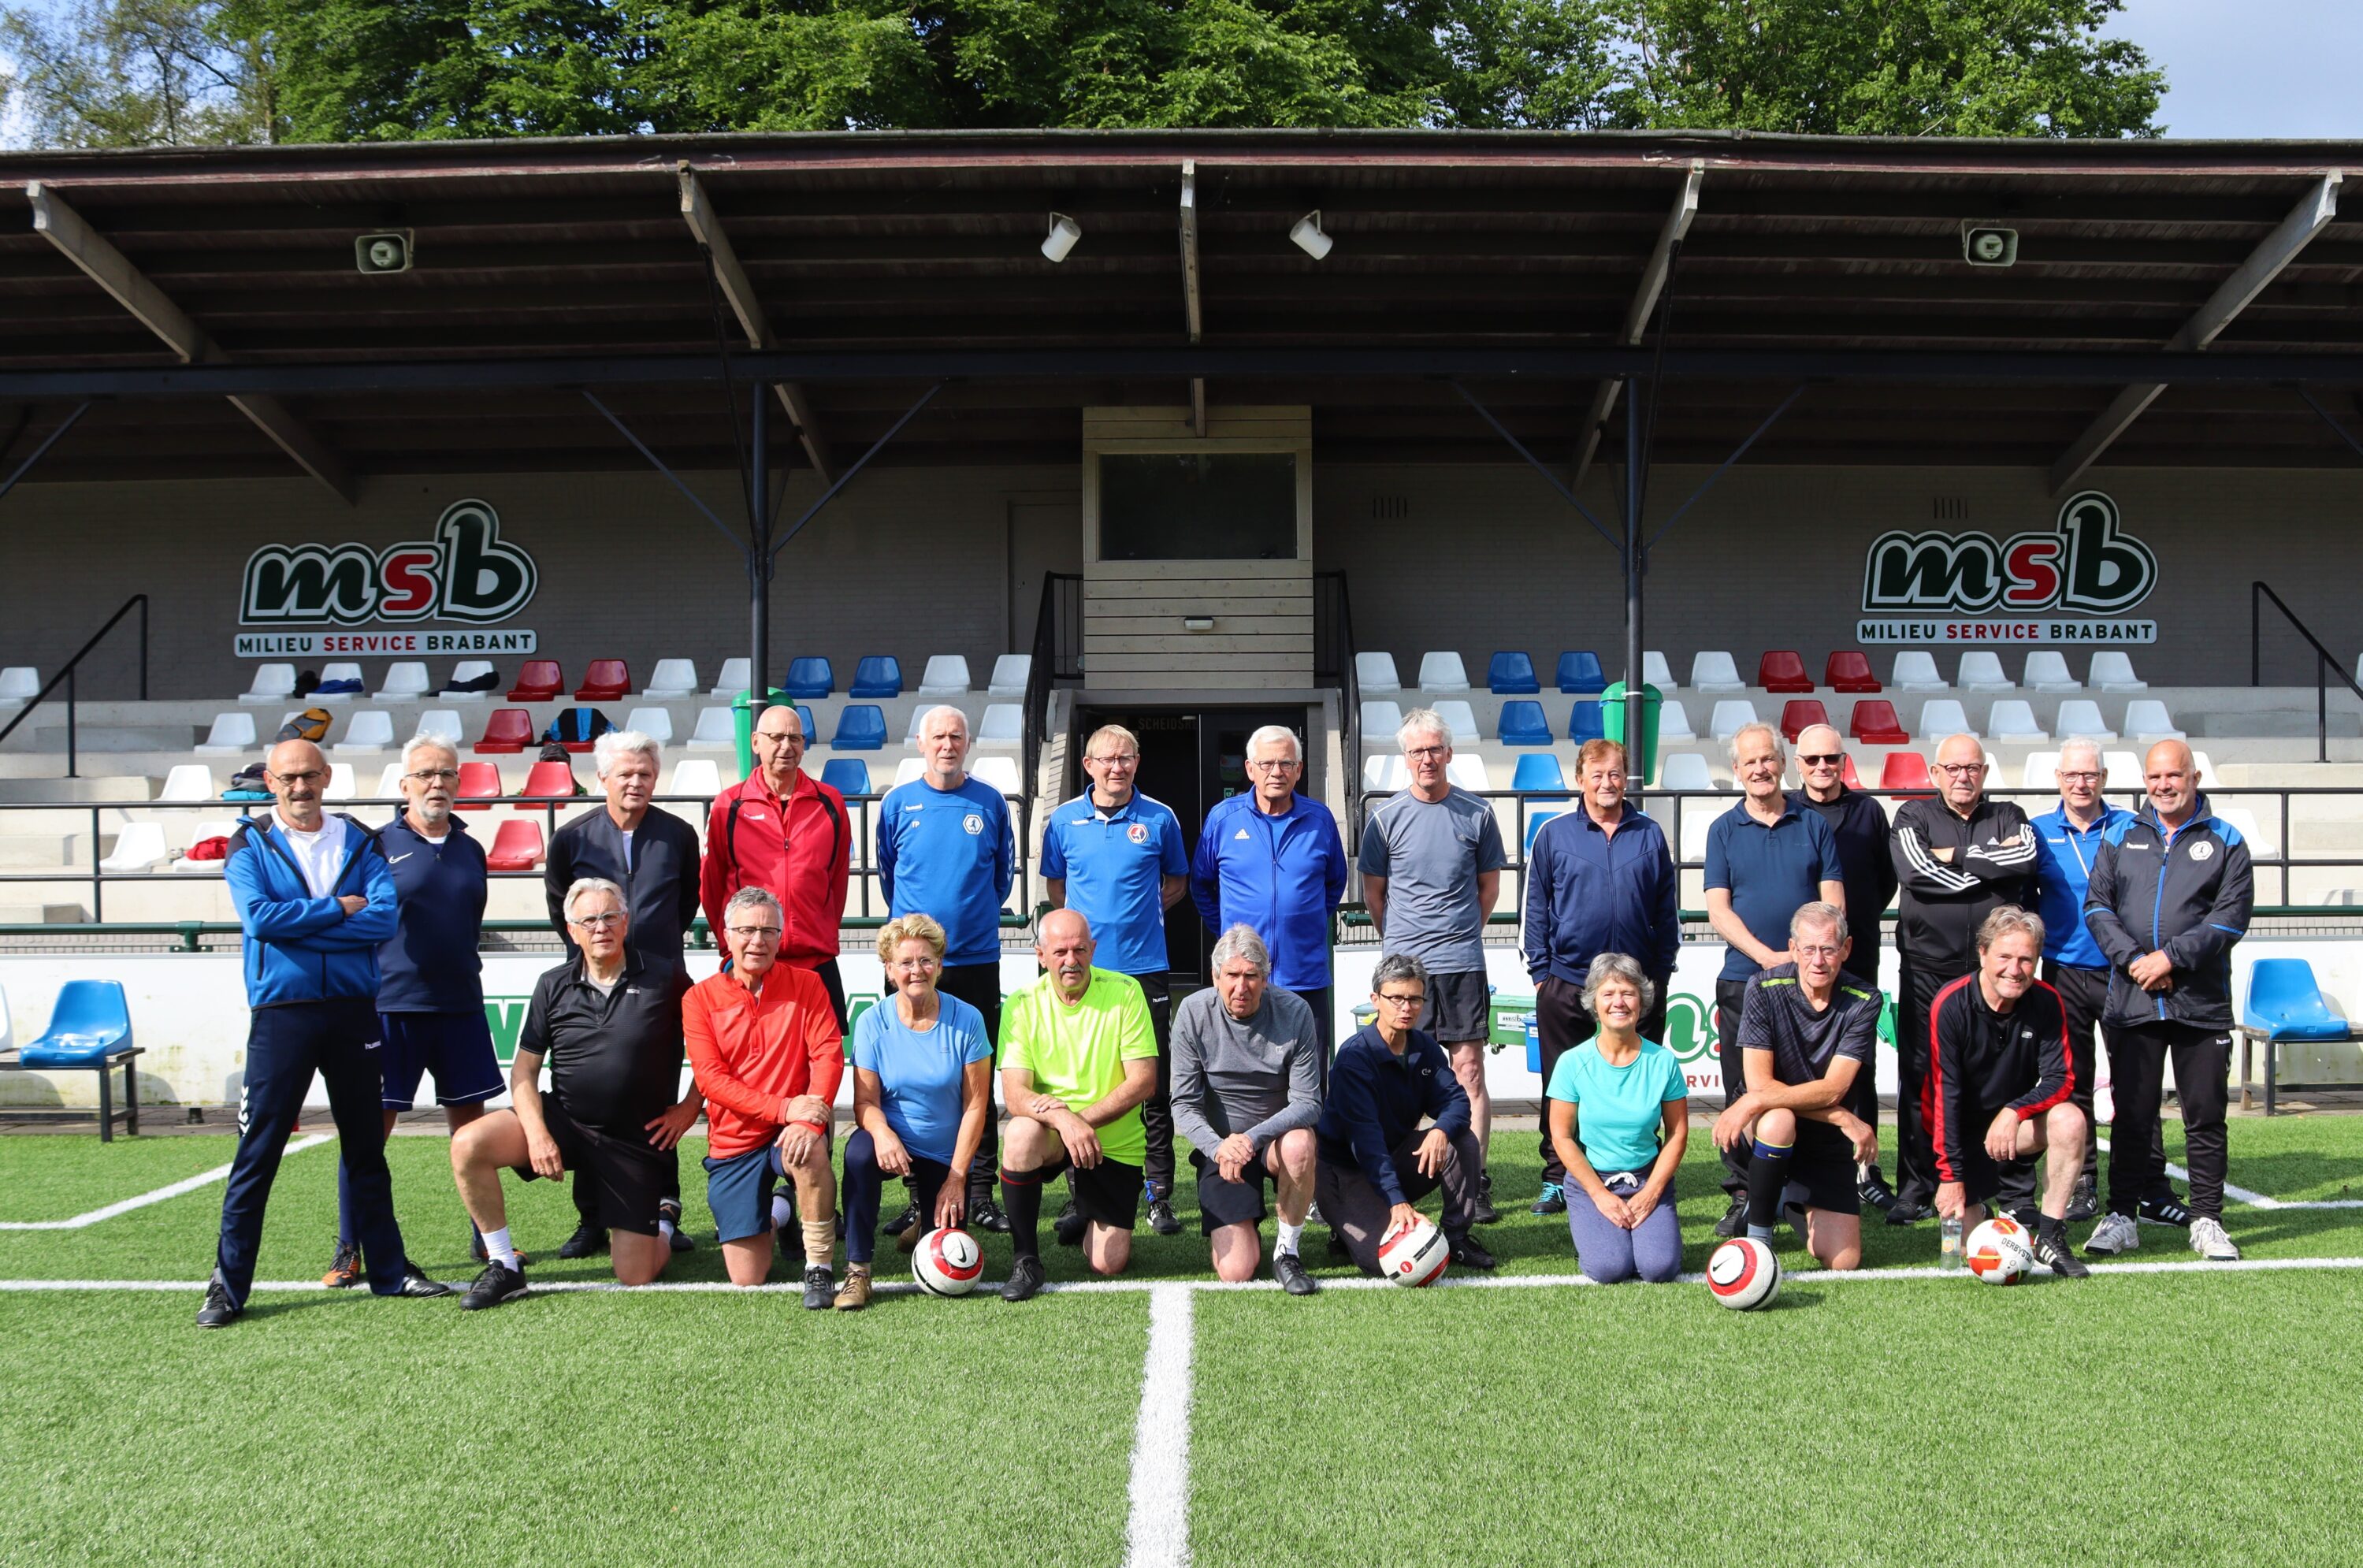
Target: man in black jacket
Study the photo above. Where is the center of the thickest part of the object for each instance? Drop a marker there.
(2171, 891)
(1958, 859)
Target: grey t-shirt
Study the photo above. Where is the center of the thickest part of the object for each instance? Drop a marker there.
(1431, 852)
(1260, 1076)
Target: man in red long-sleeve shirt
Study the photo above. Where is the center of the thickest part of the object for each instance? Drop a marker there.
(783, 831)
(767, 1054)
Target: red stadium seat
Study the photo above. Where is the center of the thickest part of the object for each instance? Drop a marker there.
(479, 781)
(509, 729)
(548, 781)
(607, 680)
(1874, 723)
(1801, 714)
(538, 679)
(1849, 671)
(1783, 669)
(1905, 770)
(516, 846)
(1847, 777)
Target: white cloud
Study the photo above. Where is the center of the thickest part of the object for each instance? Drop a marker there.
(2252, 68)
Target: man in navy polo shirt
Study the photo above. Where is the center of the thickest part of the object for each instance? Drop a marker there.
(1116, 857)
(1766, 859)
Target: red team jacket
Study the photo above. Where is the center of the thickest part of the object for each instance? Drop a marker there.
(799, 851)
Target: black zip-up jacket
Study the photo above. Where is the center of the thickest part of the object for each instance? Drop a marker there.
(660, 890)
(1981, 1063)
(2189, 893)
(1867, 857)
(1944, 901)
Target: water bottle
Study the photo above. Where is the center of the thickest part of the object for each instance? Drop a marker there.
(1949, 1249)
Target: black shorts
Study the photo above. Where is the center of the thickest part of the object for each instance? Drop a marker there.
(1980, 1173)
(1458, 1007)
(627, 1175)
(1109, 1192)
(1222, 1203)
(1820, 1172)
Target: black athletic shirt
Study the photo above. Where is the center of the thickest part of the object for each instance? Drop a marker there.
(1943, 902)
(1775, 1017)
(615, 1057)
(1981, 1063)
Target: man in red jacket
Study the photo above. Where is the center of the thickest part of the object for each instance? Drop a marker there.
(783, 831)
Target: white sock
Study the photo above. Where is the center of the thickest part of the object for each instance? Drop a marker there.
(1290, 1235)
(500, 1249)
(782, 1211)
(664, 1229)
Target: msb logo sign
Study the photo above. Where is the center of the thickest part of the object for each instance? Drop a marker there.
(2086, 564)
(466, 572)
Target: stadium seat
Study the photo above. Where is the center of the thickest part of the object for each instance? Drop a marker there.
(1873, 722)
(538, 679)
(877, 675)
(1522, 724)
(189, 781)
(696, 777)
(2047, 671)
(340, 674)
(443, 721)
(1442, 672)
(846, 775)
(2012, 723)
(2080, 716)
(465, 671)
(715, 730)
(907, 770)
(405, 681)
(999, 772)
(656, 723)
(509, 729)
(1982, 671)
(1849, 671)
(1698, 821)
(1004, 725)
(516, 845)
(1674, 723)
(1716, 671)
(1010, 673)
(945, 676)
(1915, 671)
(478, 782)
(1685, 773)
(90, 1021)
(737, 675)
(860, 727)
(20, 684)
(1385, 772)
(1782, 669)
(139, 846)
(1941, 716)
(389, 781)
(1731, 715)
(1374, 673)
(2036, 770)
(810, 725)
(2207, 766)
(272, 683)
(1380, 721)
(1537, 771)
(607, 680)
(1585, 721)
(2147, 720)
(1655, 671)
(2112, 671)
(2124, 770)
(1905, 770)
(1800, 714)
(1469, 772)
(1535, 820)
(1460, 718)
(674, 679)
(199, 831)
(1512, 674)
(2243, 821)
(343, 784)
(231, 735)
(1579, 673)
(370, 729)
(2286, 1002)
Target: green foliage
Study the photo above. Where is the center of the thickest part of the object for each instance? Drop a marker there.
(134, 73)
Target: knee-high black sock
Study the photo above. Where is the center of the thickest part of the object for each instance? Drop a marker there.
(1768, 1177)
(1021, 1195)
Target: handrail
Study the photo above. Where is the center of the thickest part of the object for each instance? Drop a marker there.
(67, 675)
(1337, 637)
(1047, 668)
(2323, 661)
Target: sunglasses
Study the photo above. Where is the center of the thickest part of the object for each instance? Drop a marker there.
(1822, 760)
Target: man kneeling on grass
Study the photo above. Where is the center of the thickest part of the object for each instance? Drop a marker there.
(1078, 1057)
(611, 1029)
(764, 1044)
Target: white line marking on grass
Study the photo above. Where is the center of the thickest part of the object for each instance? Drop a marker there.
(2254, 1200)
(188, 1184)
(1157, 1535)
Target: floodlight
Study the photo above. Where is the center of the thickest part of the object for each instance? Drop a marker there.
(1064, 232)
(1306, 232)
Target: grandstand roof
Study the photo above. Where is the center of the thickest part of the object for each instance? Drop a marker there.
(1476, 255)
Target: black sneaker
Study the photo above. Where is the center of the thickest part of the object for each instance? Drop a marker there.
(1873, 1190)
(1069, 1226)
(1026, 1279)
(415, 1283)
(902, 1221)
(1338, 1248)
(1289, 1269)
(1735, 1218)
(1484, 1213)
(670, 1209)
(1553, 1200)
(1160, 1218)
(586, 1240)
(2167, 1210)
(497, 1283)
(1906, 1212)
(218, 1311)
(2051, 1250)
(985, 1214)
(820, 1288)
(1469, 1253)
(2084, 1203)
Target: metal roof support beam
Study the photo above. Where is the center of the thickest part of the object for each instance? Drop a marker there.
(1644, 303)
(2263, 265)
(1566, 494)
(55, 220)
(2343, 433)
(698, 212)
(50, 440)
(1191, 306)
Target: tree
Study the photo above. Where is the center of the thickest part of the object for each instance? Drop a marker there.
(137, 73)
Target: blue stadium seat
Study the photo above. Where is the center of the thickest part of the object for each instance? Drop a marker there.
(1579, 673)
(811, 725)
(1535, 820)
(2285, 1002)
(1584, 721)
(860, 727)
(1522, 724)
(91, 1019)
(810, 677)
(846, 775)
(1511, 675)
(878, 675)
(1537, 770)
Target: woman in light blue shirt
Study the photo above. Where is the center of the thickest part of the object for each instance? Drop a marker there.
(1619, 1115)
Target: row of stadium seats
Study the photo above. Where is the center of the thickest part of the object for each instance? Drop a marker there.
(1781, 669)
(1543, 771)
(860, 727)
(610, 680)
(1871, 720)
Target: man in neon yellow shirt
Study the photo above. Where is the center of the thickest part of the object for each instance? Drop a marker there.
(1078, 1056)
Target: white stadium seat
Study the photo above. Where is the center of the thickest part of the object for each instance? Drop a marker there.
(2207, 766)
(2081, 717)
(212, 827)
(1001, 772)
(189, 781)
(2262, 841)
(233, 733)
(343, 783)
(1385, 772)
(697, 776)
(1915, 671)
(1982, 671)
(405, 681)
(2112, 671)
(443, 721)
(908, 769)
(1469, 773)
(1375, 675)
(371, 730)
(1716, 671)
(2124, 770)
(1010, 673)
(1731, 715)
(735, 674)
(345, 671)
(389, 782)
(1673, 723)
(1940, 717)
(272, 682)
(19, 683)
(1460, 718)
(2147, 720)
(1379, 722)
(656, 723)
(2036, 770)
(1442, 672)
(2012, 723)
(1685, 771)
(138, 846)
(1004, 725)
(945, 676)
(1655, 671)
(467, 670)
(714, 730)
(673, 678)
(2047, 671)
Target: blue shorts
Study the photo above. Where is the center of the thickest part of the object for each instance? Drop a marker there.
(739, 1191)
(456, 1047)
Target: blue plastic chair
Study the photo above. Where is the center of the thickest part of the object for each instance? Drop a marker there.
(860, 727)
(1537, 770)
(878, 675)
(1511, 675)
(90, 1021)
(812, 727)
(1579, 673)
(1535, 820)
(846, 775)
(1584, 722)
(1522, 724)
(810, 677)
(2285, 1002)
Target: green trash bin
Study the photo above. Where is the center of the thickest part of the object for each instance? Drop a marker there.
(742, 727)
(1641, 761)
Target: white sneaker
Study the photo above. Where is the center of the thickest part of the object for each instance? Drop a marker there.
(2207, 1239)
(2114, 1235)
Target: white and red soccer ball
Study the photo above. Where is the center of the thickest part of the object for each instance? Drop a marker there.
(1743, 1274)
(947, 1262)
(1415, 1255)
(2000, 1251)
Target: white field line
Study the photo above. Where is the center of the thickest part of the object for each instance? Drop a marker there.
(1158, 1533)
(2254, 1200)
(187, 1184)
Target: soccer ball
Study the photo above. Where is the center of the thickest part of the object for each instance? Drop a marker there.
(2000, 1251)
(947, 1262)
(1743, 1274)
(1415, 1255)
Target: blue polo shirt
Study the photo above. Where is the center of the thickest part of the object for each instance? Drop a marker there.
(2063, 867)
(430, 963)
(949, 853)
(1769, 871)
(1113, 860)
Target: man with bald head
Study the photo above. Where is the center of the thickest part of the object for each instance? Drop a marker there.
(315, 899)
(2171, 892)
(1958, 858)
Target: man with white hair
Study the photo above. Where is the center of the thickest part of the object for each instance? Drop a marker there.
(1431, 867)
(653, 857)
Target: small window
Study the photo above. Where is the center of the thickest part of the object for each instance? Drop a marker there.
(1198, 507)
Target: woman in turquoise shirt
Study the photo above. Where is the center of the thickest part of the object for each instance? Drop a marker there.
(1619, 1114)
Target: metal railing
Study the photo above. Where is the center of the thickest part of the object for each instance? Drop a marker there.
(137, 601)
(1057, 654)
(1333, 665)
(2324, 662)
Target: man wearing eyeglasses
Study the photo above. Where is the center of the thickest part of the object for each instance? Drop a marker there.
(1958, 858)
(784, 831)
(1118, 858)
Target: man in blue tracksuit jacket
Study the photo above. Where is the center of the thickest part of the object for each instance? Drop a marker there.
(314, 899)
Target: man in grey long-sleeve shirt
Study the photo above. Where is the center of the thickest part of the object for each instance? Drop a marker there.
(1247, 1090)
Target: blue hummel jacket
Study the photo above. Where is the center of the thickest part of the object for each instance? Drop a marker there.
(1283, 875)
(299, 948)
